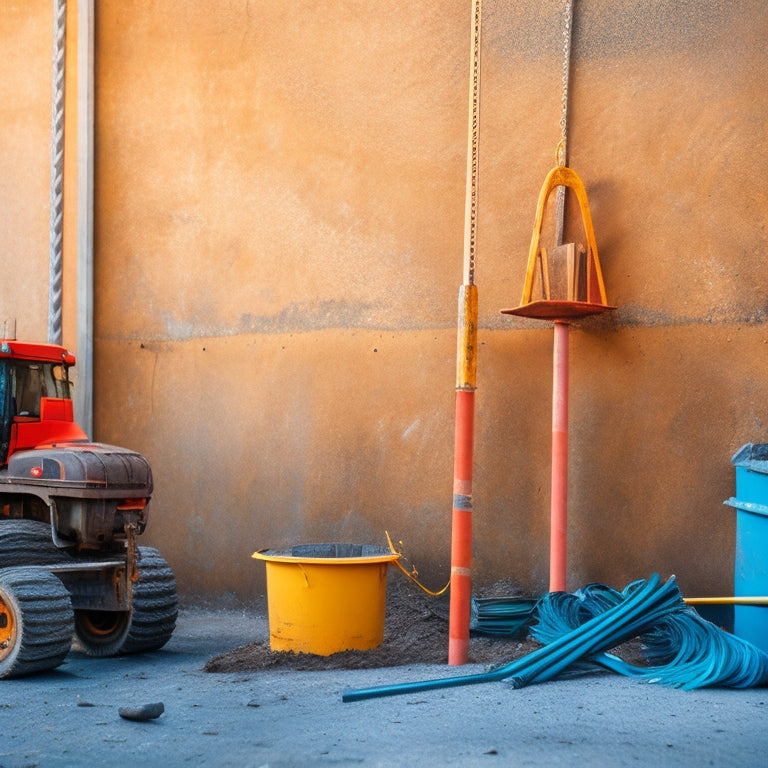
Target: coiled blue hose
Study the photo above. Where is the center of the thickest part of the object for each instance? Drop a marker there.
(686, 651)
(582, 626)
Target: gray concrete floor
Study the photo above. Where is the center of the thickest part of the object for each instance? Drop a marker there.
(69, 717)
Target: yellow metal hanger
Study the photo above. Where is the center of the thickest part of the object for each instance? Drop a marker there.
(580, 282)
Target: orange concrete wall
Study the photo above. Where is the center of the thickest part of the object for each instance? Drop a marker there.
(279, 208)
(26, 87)
(25, 159)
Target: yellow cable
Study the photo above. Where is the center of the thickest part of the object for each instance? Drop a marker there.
(413, 573)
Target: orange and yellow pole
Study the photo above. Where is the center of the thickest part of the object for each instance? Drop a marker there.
(466, 374)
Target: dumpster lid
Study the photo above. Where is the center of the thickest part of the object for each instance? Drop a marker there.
(752, 456)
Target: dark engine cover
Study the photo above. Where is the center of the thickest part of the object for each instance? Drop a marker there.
(89, 465)
(93, 490)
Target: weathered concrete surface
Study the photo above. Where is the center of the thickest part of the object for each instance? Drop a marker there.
(284, 719)
(278, 237)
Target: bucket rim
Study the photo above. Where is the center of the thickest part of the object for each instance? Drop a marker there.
(285, 556)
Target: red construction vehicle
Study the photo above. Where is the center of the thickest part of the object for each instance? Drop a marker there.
(70, 513)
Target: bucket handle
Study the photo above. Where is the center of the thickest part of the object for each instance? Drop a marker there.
(413, 573)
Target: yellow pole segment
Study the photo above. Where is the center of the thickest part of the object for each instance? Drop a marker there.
(466, 353)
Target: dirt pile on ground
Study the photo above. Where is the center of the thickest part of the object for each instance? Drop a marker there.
(415, 632)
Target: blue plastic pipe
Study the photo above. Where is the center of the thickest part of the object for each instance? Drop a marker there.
(597, 634)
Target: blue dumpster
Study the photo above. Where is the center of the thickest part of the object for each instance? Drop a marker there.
(751, 566)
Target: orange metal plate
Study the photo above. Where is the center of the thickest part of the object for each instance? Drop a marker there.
(557, 310)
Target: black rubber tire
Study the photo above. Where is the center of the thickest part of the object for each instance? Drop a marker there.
(150, 623)
(101, 633)
(28, 542)
(37, 605)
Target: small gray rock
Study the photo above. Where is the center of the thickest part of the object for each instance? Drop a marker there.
(144, 712)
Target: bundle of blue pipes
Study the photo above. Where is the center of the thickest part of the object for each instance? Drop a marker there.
(683, 649)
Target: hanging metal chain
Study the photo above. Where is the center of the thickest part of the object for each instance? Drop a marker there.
(57, 174)
(562, 156)
(470, 221)
(562, 146)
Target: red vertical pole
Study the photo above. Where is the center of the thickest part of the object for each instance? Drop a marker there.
(461, 529)
(559, 497)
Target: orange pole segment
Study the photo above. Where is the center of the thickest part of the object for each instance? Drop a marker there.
(461, 529)
(559, 496)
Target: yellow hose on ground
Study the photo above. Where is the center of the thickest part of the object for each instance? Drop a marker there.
(726, 600)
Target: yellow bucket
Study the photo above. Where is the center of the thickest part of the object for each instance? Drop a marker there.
(326, 598)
